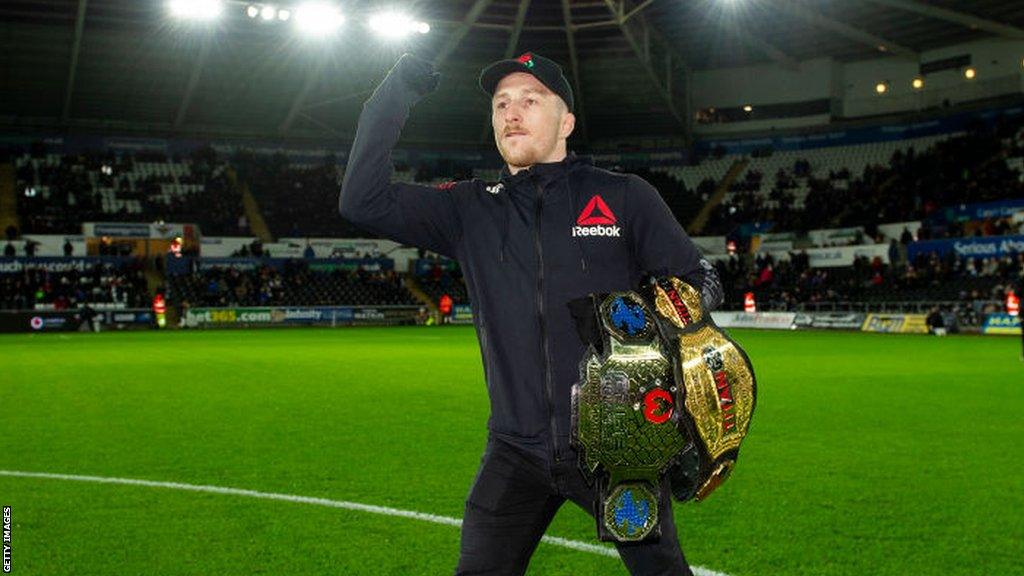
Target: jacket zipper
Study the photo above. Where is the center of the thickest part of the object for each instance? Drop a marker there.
(543, 326)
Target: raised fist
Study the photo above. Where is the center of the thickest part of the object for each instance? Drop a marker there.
(417, 74)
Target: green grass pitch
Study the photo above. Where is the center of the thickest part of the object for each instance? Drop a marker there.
(868, 454)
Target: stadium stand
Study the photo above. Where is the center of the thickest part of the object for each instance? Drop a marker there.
(296, 199)
(684, 202)
(59, 192)
(299, 198)
(101, 285)
(692, 177)
(869, 183)
(968, 286)
(437, 282)
(294, 285)
(862, 185)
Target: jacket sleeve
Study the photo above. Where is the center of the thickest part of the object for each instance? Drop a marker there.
(412, 214)
(661, 246)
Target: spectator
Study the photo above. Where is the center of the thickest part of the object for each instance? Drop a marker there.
(293, 284)
(936, 323)
(444, 306)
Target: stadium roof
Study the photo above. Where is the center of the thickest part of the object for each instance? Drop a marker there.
(127, 65)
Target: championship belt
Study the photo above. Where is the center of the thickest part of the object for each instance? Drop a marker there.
(663, 393)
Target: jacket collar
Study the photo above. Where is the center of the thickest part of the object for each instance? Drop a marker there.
(545, 172)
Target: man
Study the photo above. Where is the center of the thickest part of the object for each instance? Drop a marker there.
(90, 319)
(935, 322)
(553, 229)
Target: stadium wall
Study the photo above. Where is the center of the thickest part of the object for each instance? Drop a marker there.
(851, 86)
(997, 62)
(868, 133)
(72, 320)
(766, 84)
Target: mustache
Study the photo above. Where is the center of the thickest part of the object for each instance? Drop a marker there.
(513, 130)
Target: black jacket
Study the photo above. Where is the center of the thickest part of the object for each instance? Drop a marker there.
(527, 245)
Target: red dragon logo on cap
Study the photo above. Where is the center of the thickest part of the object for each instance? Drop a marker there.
(526, 59)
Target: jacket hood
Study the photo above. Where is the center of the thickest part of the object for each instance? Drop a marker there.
(546, 171)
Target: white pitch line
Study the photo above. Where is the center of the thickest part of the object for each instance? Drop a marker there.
(356, 506)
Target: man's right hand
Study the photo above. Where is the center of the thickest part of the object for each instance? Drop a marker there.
(416, 75)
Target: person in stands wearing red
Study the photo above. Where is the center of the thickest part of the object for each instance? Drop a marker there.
(1013, 309)
(444, 306)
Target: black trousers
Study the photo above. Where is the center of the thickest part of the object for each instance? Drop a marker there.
(514, 498)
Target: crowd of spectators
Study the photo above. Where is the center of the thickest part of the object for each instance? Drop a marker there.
(295, 284)
(217, 208)
(100, 284)
(684, 203)
(914, 185)
(301, 199)
(57, 199)
(439, 281)
(975, 285)
(969, 286)
(296, 200)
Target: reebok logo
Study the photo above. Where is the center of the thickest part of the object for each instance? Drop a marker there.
(596, 212)
(596, 219)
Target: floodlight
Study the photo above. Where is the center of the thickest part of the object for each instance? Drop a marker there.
(318, 18)
(268, 13)
(881, 87)
(396, 25)
(196, 9)
(390, 24)
(284, 15)
(917, 83)
(252, 11)
(748, 108)
(970, 73)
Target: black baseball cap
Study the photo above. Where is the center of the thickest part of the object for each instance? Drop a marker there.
(549, 74)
